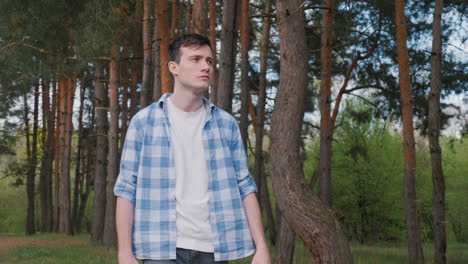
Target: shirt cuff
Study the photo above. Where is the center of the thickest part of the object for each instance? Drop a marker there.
(247, 186)
(125, 190)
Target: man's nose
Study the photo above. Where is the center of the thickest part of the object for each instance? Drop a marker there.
(206, 66)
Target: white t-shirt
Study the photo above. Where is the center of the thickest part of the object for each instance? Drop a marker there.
(192, 210)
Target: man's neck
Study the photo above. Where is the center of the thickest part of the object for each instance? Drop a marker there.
(187, 100)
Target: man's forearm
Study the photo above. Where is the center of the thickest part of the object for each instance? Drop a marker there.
(254, 218)
(124, 222)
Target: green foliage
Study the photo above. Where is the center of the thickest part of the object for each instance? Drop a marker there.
(368, 178)
(455, 155)
(367, 166)
(13, 205)
(16, 171)
(7, 142)
(424, 190)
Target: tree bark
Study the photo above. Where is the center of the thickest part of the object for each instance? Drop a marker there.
(200, 16)
(227, 58)
(415, 253)
(266, 205)
(89, 163)
(212, 36)
(87, 181)
(174, 19)
(79, 156)
(188, 15)
(145, 96)
(133, 88)
(157, 54)
(287, 237)
(45, 184)
(326, 129)
(109, 236)
(244, 41)
(59, 131)
(137, 66)
(163, 30)
(32, 160)
(311, 219)
(99, 209)
(125, 96)
(33, 163)
(67, 84)
(440, 237)
(259, 167)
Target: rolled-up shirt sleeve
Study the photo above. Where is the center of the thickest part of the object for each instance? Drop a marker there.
(244, 179)
(125, 185)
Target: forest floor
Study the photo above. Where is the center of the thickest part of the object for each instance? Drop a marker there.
(53, 249)
(58, 248)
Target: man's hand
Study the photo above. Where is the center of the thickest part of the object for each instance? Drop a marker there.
(262, 256)
(127, 259)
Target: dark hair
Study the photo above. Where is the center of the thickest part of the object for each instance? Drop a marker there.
(186, 40)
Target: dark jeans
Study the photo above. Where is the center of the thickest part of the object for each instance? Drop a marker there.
(188, 256)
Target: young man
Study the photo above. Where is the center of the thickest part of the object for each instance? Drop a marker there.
(184, 191)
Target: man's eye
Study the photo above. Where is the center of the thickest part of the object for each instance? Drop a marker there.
(195, 59)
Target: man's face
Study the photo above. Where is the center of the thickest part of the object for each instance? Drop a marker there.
(195, 68)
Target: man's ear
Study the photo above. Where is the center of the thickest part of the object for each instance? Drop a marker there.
(172, 65)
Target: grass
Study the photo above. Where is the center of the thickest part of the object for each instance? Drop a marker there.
(57, 248)
(53, 249)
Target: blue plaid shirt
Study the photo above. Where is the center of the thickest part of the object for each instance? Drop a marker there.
(147, 179)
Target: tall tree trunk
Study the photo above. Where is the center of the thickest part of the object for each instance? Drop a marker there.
(59, 130)
(133, 88)
(137, 62)
(45, 115)
(266, 205)
(87, 168)
(200, 16)
(163, 30)
(286, 242)
(79, 156)
(174, 19)
(244, 40)
(415, 252)
(32, 160)
(109, 236)
(440, 237)
(145, 96)
(212, 36)
(227, 58)
(99, 209)
(68, 89)
(311, 219)
(157, 53)
(326, 130)
(85, 190)
(188, 15)
(45, 184)
(61, 134)
(125, 95)
(34, 150)
(88, 163)
(261, 101)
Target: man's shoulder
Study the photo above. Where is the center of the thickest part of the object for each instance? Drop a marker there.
(224, 117)
(148, 111)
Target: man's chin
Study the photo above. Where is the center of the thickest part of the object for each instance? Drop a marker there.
(201, 90)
